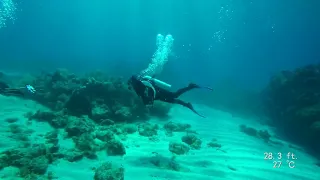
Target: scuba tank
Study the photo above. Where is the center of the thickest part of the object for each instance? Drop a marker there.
(158, 82)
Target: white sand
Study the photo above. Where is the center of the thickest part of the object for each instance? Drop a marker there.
(239, 151)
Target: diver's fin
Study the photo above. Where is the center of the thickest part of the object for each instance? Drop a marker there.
(209, 88)
(189, 105)
(193, 85)
(197, 113)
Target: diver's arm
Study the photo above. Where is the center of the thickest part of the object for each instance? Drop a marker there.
(147, 99)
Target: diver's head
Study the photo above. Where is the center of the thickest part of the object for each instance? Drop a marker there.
(132, 82)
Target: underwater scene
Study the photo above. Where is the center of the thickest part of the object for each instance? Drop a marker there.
(159, 90)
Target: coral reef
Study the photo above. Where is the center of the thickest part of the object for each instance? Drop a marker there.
(165, 163)
(148, 130)
(31, 161)
(171, 127)
(78, 126)
(56, 120)
(178, 148)
(109, 171)
(115, 148)
(213, 144)
(95, 111)
(292, 101)
(192, 140)
(100, 97)
(11, 120)
(261, 134)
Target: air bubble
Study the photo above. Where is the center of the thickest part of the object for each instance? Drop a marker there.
(7, 12)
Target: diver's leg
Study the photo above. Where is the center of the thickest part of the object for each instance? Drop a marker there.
(188, 88)
(188, 105)
(185, 89)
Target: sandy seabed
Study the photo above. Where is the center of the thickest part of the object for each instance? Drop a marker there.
(240, 157)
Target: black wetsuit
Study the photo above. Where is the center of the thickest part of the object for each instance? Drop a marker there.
(7, 91)
(147, 93)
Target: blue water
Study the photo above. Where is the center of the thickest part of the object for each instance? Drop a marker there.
(246, 41)
(233, 46)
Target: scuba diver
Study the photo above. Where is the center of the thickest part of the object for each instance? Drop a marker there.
(7, 91)
(151, 89)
